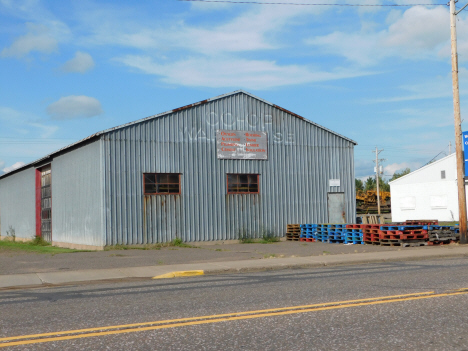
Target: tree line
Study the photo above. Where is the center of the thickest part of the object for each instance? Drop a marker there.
(370, 183)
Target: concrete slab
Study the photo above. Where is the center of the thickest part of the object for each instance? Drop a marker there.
(146, 272)
(80, 276)
(19, 280)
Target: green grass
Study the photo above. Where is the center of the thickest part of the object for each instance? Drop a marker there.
(268, 238)
(34, 246)
(269, 256)
(264, 237)
(177, 242)
(448, 223)
(249, 241)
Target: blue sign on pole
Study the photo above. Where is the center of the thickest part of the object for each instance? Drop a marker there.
(465, 149)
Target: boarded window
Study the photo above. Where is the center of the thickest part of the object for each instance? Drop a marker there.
(407, 203)
(242, 183)
(161, 183)
(442, 174)
(438, 201)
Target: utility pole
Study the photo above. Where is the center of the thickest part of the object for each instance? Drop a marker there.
(450, 147)
(377, 172)
(457, 122)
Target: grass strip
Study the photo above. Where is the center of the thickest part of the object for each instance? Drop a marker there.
(33, 246)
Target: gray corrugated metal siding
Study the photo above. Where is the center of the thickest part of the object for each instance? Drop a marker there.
(302, 157)
(76, 196)
(17, 204)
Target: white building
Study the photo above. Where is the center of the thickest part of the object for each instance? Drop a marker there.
(427, 193)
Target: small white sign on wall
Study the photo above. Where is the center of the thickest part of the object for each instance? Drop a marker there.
(334, 182)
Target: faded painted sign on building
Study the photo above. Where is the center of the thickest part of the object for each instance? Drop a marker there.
(241, 144)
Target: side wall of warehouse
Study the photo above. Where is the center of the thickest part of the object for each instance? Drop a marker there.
(77, 203)
(294, 181)
(427, 193)
(17, 204)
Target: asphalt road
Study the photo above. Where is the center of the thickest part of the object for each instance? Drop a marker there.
(432, 317)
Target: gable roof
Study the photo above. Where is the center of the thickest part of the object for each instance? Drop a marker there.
(98, 134)
(423, 168)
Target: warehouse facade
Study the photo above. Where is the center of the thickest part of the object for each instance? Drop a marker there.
(208, 171)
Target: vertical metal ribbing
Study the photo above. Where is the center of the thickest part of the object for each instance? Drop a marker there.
(293, 182)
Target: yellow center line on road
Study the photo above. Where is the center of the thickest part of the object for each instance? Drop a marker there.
(138, 327)
(210, 316)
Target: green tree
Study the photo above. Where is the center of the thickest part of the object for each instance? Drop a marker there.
(359, 185)
(369, 184)
(383, 185)
(397, 175)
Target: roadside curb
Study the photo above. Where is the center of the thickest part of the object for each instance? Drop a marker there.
(34, 280)
(180, 274)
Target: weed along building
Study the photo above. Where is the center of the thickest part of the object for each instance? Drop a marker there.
(207, 171)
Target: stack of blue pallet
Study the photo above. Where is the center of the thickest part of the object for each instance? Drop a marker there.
(308, 231)
(322, 233)
(353, 236)
(336, 233)
(303, 231)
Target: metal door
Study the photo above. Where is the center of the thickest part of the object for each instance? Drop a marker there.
(46, 203)
(336, 208)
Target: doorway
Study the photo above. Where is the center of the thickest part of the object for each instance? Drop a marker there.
(336, 208)
(46, 203)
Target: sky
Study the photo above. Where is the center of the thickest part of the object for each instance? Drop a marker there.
(378, 75)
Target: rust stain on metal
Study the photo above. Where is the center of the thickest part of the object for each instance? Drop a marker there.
(287, 111)
(175, 216)
(145, 233)
(188, 106)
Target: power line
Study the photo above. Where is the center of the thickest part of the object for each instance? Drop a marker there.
(308, 4)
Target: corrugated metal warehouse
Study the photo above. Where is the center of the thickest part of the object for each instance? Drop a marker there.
(207, 171)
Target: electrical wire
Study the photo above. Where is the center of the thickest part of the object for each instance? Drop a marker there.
(309, 4)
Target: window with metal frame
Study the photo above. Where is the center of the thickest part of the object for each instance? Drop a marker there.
(442, 174)
(243, 183)
(161, 183)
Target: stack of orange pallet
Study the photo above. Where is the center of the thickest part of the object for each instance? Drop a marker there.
(293, 232)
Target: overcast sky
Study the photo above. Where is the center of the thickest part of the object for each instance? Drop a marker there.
(378, 75)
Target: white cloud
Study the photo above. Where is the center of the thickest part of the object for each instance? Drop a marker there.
(398, 167)
(253, 74)
(81, 63)
(417, 33)
(419, 29)
(38, 38)
(253, 29)
(10, 114)
(22, 123)
(362, 168)
(74, 106)
(436, 87)
(213, 53)
(44, 131)
(27, 137)
(413, 118)
(207, 6)
(13, 167)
